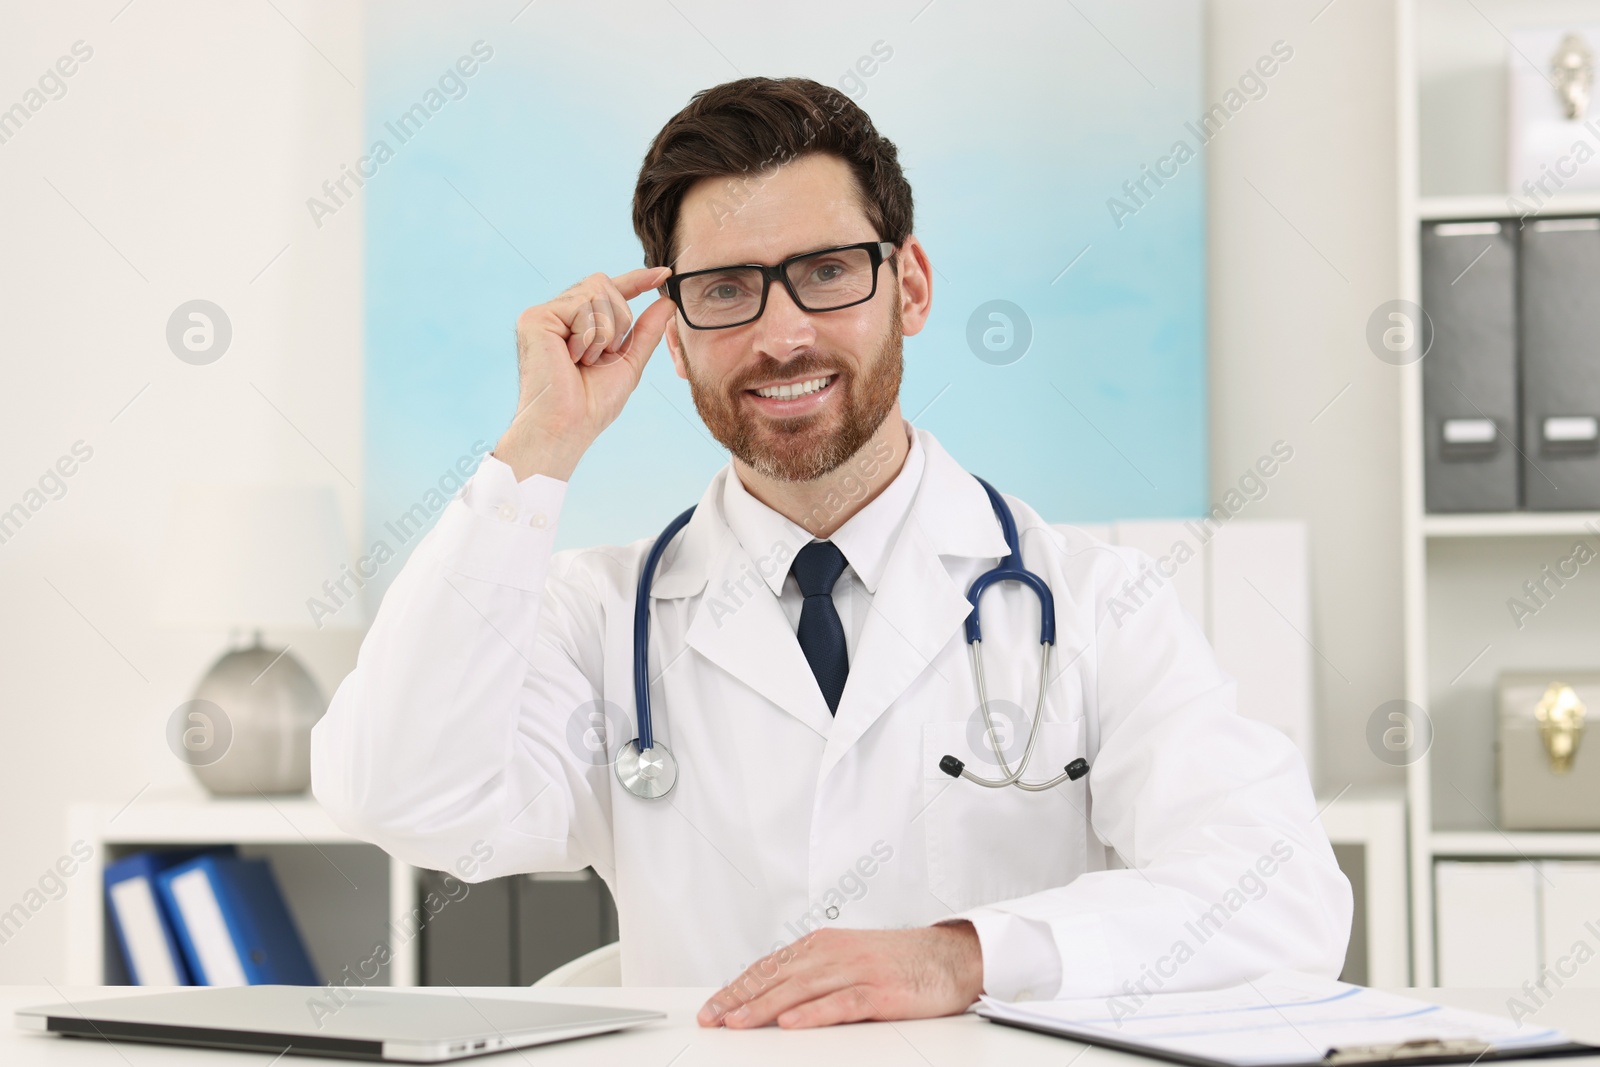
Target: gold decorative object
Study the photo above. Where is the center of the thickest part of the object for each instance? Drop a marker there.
(1560, 716)
(1573, 69)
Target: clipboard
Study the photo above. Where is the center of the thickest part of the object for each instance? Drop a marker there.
(1395, 1055)
(1255, 1024)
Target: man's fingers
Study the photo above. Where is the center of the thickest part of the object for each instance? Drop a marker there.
(612, 304)
(647, 331)
(758, 979)
(596, 313)
(589, 307)
(848, 1005)
(789, 992)
(602, 327)
(586, 327)
(635, 282)
(775, 985)
(849, 976)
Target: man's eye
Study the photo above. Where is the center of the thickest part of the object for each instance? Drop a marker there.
(827, 272)
(725, 291)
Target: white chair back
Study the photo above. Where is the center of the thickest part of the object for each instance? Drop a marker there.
(602, 967)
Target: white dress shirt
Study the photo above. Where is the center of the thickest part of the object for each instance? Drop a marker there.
(865, 539)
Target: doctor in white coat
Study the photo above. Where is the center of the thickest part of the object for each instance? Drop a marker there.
(812, 859)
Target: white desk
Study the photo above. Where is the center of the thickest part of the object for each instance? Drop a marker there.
(679, 1042)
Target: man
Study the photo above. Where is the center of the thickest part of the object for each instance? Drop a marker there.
(807, 661)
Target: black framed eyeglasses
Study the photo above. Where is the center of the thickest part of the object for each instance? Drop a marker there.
(825, 280)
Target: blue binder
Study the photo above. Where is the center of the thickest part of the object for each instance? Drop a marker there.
(139, 919)
(232, 924)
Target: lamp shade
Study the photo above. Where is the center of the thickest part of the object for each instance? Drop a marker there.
(252, 556)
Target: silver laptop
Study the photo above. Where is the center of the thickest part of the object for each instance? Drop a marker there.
(367, 1024)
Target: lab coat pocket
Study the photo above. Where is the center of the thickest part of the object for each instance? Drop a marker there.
(986, 845)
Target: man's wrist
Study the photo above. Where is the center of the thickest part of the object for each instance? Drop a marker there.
(965, 962)
(525, 461)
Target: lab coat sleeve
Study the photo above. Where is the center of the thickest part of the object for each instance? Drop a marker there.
(456, 743)
(1220, 868)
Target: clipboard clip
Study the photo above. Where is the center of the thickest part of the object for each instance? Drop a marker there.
(1424, 1048)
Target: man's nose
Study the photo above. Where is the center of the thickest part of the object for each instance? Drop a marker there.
(784, 325)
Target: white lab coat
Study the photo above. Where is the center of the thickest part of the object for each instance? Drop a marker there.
(469, 728)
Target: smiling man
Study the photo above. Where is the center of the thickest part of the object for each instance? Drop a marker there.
(816, 811)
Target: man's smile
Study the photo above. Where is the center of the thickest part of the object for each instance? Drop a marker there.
(800, 397)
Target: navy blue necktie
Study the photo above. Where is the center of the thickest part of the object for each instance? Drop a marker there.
(816, 567)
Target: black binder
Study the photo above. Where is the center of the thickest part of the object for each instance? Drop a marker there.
(1561, 364)
(1469, 375)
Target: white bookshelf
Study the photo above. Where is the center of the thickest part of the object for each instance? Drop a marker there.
(1452, 565)
(1515, 845)
(333, 882)
(1431, 208)
(1513, 524)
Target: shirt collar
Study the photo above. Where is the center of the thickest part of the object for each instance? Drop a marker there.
(865, 539)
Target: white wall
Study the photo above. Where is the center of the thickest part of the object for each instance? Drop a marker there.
(188, 142)
(1302, 244)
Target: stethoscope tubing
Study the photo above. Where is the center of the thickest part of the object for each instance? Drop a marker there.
(641, 632)
(1009, 569)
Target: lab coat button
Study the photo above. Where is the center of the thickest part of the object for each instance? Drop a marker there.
(507, 511)
(538, 521)
(832, 912)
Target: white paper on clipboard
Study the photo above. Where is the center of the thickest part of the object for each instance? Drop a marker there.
(1284, 1018)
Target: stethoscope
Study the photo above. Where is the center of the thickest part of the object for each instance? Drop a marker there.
(647, 770)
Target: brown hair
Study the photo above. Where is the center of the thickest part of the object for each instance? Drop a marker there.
(751, 125)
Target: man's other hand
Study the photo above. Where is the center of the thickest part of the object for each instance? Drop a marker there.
(846, 976)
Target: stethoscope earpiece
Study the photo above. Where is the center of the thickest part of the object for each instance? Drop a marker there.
(1071, 772)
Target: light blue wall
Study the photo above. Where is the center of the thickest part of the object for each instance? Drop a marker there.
(1016, 122)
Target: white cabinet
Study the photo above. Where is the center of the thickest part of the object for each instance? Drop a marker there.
(1570, 939)
(1488, 923)
(1506, 923)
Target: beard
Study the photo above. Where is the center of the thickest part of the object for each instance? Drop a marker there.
(805, 448)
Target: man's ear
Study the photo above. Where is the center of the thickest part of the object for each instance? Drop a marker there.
(675, 346)
(916, 286)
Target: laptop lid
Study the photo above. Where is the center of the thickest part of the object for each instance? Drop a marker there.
(372, 1024)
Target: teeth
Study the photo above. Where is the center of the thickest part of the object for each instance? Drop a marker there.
(787, 392)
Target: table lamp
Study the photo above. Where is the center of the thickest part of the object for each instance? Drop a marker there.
(244, 558)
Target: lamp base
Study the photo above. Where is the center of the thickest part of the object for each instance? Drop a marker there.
(267, 716)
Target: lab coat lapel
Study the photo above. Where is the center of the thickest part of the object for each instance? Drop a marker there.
(738, 624)
(918, 605)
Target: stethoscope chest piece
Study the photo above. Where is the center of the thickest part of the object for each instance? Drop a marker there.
(649, 773)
